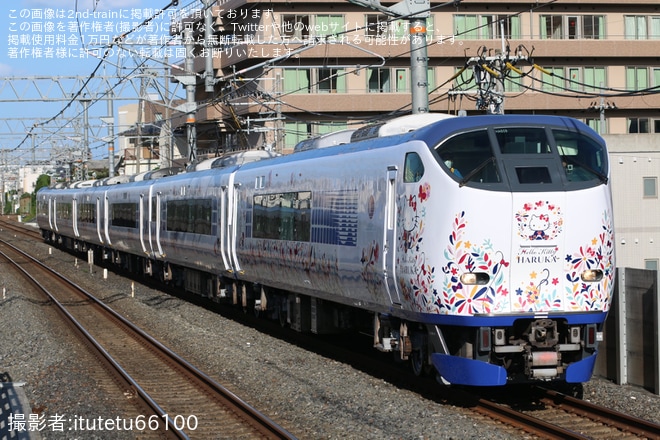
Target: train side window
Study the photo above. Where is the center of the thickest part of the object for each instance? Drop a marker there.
(413, 168)
(468, 157)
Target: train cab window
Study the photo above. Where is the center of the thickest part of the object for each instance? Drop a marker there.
(583, 159)
(522, 140)
(468, 157)
(533, 175)
(413, 168)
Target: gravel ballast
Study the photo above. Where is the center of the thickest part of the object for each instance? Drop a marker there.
(310, 395)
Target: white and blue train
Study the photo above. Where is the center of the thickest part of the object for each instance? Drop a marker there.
(480, 246)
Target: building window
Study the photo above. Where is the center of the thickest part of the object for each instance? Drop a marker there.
(650, 187)
(554, 82)
(466, 27)
(596, 125)
(551, 27)
(594, 78)
(295, 27)
(651, 264)
(314, 80)
(637, 78)
(491, 26)
(296, 132)
(640, 27)
(379, 80)
(572, 27)
(297, 81)
(638, 125)
(402, 81)
(464, 80)
(376, 25)
(430, 79)
(330, 127)
(328, 25)
(331, 81)
(473, 27)
(593, 27)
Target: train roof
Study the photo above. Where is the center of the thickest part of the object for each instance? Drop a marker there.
(430, 128)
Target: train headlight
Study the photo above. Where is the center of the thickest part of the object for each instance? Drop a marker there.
(592, 275)
(473, 278)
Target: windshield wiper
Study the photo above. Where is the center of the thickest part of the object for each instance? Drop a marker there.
(472, 173)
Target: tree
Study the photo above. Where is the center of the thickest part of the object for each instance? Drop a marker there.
(42, 181)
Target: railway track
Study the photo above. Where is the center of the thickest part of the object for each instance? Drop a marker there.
(548, 414)
(179, 400)
(541, 413)
(605, 421)
(19, 228)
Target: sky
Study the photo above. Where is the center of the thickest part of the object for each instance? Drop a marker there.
(42, 39)
(33, 32)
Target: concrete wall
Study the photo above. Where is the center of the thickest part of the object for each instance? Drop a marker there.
(630, 352)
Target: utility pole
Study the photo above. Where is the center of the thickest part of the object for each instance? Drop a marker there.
(416, 11)
(419, 63)
(191, 129)
(85, 154)
(3, 164)
(33, 136)
(209, 79)
(111, 136)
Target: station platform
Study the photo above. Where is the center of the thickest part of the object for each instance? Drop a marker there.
(16, 414)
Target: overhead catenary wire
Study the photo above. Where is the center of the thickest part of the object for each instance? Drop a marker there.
(223, 97)
(106, 50)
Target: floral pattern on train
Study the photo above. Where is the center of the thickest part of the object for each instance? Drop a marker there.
(416, 276)
(597, 254)
(464, 256)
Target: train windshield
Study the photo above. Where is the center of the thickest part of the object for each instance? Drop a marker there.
(582, 158)
(522, 158)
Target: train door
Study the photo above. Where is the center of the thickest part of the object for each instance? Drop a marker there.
(222, 230)
(74, 218)
(99, 220)
(389, 238)
(143, 225)
(154, 223)
(51, 214)
(106, 218)
(228, 224)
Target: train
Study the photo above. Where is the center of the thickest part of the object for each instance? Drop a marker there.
(478, 248)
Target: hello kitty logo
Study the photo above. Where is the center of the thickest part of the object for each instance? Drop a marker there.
(539, 221)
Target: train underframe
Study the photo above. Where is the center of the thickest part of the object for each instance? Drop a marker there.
(530, 350)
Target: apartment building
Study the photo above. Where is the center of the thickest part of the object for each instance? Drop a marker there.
(287, 70)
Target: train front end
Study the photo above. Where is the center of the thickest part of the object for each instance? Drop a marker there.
(520, 261)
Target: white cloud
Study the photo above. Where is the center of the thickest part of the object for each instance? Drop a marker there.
(6, 70)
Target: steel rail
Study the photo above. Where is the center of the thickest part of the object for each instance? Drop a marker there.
(266, 423)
